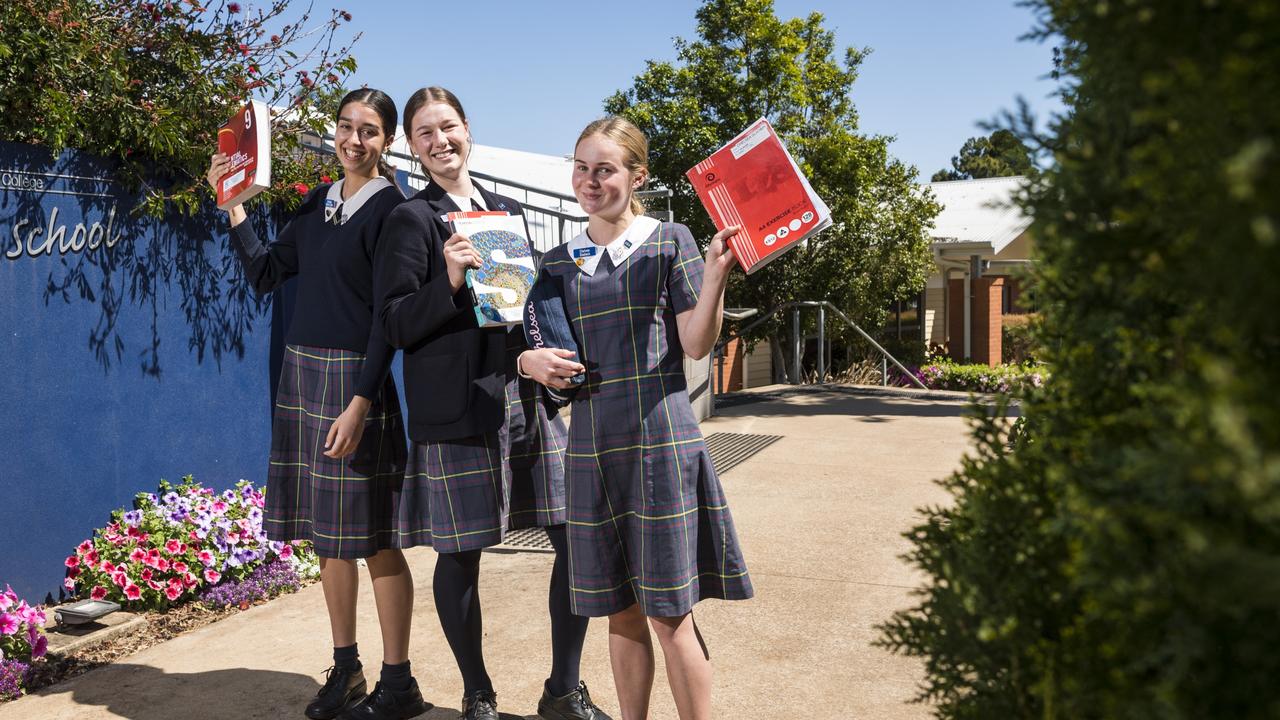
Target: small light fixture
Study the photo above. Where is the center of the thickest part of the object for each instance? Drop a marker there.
(85, 611)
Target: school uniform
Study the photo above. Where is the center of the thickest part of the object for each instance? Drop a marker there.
(486, 452)
(648, 522)
(334, 350)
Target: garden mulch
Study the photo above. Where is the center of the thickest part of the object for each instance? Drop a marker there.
(154, 628)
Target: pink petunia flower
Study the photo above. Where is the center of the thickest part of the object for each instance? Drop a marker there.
(179, 567)
(162, 565)
(219, 507)
(212, 576)
(286, 552)
(91, 557)
(145, 574)
(173, 593)
(120, 579)
(72, 561)
(98, 593)
(73, 572)
(154, 585)
(190, 580)
(108, 567)
(173, 547)
(138, 555)
(39, 647)
(69, 583)
(205, 557)
(8, 623)
(133, 592)
(84, 547)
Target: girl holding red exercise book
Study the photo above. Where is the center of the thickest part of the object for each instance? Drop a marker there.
(650, 532)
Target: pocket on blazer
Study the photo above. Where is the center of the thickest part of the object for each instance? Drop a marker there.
(443, 388)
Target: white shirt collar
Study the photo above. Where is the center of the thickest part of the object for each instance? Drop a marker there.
(587, 254)
(334, 204)
(464, 203)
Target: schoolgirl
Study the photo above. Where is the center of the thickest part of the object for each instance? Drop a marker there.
(486, 452)
(650, 532)
(337, 440)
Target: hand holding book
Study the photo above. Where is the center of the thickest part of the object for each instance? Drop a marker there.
(459, 255)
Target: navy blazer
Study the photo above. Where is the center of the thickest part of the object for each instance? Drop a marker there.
(454, 370)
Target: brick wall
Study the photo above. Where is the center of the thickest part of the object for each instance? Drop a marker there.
(985, 316)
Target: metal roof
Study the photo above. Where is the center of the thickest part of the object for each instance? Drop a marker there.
(978, 211)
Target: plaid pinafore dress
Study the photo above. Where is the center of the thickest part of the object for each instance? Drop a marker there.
(648, 522)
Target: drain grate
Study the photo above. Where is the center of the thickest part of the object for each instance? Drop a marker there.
(728, 450)
(532, 539)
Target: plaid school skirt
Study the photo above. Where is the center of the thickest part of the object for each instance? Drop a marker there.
(465, 494)
(346, 507)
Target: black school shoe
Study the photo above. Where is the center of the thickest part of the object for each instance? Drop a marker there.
(576, 705)
(343, 687)
(384, 704)
(480, 705)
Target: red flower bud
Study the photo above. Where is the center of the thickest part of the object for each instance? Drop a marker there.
(301, 188)
(234, 8)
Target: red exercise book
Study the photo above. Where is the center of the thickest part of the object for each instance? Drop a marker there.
(246, 140)
(753, 182)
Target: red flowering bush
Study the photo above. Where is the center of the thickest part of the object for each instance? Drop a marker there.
(164, 75)
(176, 543)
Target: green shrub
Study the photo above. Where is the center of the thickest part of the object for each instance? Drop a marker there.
(943, 374)
(1017, 341)
(1120, 558)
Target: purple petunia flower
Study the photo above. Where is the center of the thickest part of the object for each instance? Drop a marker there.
(132, 518)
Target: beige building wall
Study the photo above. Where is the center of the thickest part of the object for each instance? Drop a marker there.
(758, 367)
(934, 317)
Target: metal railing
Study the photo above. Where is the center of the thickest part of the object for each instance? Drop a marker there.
(822, 307)
(550, 223)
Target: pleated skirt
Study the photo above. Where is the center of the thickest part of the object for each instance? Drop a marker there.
(347, 507)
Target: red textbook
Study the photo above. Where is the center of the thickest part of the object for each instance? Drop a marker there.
(246, 140)
(753, 182)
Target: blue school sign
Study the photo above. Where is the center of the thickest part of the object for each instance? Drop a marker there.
(131, 350)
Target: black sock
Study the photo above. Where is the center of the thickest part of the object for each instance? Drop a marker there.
(568, 631)
(347, 657)
(396, 677)
(457, 594)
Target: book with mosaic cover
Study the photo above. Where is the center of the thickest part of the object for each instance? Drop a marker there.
(501, 284)
(246, 140)
(754, 182)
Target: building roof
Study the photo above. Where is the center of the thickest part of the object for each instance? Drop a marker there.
(979, 211)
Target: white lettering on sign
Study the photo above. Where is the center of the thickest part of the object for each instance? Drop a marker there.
(18, 180)
(40, 240)
(42, 236)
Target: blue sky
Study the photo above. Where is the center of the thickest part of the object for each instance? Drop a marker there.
(532, 74)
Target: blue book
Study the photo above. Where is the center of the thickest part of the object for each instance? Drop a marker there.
(546, 325)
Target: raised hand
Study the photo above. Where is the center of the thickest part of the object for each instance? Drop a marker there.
(720, 258)
(458, 256)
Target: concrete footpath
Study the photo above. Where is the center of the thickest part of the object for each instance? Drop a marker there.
(820, 514)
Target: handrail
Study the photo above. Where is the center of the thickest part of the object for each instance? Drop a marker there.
(822, 306)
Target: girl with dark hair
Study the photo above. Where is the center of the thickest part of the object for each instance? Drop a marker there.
(487, 451)
(337, 439)
(649, 527)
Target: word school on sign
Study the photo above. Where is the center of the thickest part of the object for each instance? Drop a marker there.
(41, 240)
